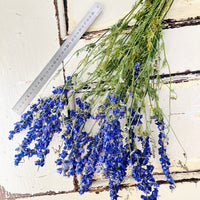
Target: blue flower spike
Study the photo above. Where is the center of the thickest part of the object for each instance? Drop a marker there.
(107, 152)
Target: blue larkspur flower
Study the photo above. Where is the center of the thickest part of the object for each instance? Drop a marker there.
(113, 98)
(137, 69)
(164, 160)
(40, 130)
(108, 152)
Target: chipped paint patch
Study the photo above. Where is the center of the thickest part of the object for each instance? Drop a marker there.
(184, 85)
(172, 23)
(3, 193)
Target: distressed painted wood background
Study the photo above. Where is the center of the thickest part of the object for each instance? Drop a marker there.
(31, 32)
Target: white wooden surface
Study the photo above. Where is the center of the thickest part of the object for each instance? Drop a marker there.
(193, 192)
(29, 36)
(114, 10)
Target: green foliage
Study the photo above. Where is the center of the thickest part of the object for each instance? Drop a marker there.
(117, 52)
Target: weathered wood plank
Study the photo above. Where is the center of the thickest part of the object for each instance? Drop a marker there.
(185, 122)
(62, 19)
(181, 46)
(189, 188)
(181, 9)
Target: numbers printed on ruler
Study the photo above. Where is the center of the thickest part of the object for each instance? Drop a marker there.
(57, 59)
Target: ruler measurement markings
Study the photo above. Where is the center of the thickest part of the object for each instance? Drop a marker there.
(57, 59)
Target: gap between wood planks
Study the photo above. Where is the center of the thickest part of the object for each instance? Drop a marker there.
(168, 24)
(187, 177)
(75, 179)
(181, 77)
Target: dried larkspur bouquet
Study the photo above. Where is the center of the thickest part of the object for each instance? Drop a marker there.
(119, 100)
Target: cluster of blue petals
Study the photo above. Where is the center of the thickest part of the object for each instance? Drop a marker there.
(75, 140)
(139, 159)
(107, 152)
(137, 69)
(164, 160)
(43, 120)
(142, 170)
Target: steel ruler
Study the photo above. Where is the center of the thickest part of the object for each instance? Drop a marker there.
(57, 59)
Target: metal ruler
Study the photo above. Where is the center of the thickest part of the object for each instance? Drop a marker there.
(57, 59)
